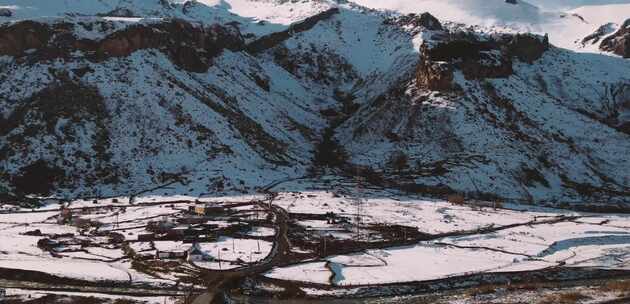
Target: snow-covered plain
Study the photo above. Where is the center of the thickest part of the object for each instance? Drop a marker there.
(590, 240)
(30, 295)
(102, 260)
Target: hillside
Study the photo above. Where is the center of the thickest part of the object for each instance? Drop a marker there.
(233, 151)
(116, 97)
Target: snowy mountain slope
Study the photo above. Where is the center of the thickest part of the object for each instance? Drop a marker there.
(138, 119)
(252, 17)
(595, 97)
(565, 29)
(552, 130)
(122, 96)
(571, 4)
(478, 12)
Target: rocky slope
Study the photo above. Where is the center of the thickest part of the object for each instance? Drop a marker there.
(118, 97)
(507, 116)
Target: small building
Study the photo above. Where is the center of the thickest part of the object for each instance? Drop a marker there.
(176, 233)
(65, 216)
(194, 231)
(200, 238)
(207, 209)
(200, 209)
(146, 237)
(195, 253)
(191, 220)
(170, 255)
(180, 254)
(330, 218)
(161, 226)
(162, 255)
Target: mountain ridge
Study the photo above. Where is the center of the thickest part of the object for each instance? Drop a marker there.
(236, 103)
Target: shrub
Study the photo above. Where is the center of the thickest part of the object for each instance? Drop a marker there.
(564, 298)
(616, 286)
(399, 161)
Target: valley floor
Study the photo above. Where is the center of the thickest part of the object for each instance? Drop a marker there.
(331, 238)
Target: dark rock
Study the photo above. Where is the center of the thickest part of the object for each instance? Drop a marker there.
(602, 31)
(511, 1)
(188, 46)
(528, 47)
(578, 16)
(619, 42)
(5, 12)
(119, 12)
(262, 82)
(437, 76)
(47, 244)
(21, 36)
(424, 20)
(429, 22)
(477, 59)
(35, 232)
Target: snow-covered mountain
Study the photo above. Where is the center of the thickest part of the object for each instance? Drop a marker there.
(566, 22)
(571, 4)
(102, 97)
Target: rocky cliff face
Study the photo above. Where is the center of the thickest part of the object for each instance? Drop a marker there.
(619, 42)
(188, 46)
(125, 108)
(488, 57)
(498, 116)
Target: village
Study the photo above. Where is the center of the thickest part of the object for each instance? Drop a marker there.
(318, 241)
(180, 230)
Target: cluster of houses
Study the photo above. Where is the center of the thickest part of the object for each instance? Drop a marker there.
(193, 254)
(183, 230)
(190, 234)
(69, 216)
(207, 210)
(192, 229)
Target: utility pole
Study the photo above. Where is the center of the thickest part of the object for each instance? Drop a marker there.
(359, 202)
(219, 254)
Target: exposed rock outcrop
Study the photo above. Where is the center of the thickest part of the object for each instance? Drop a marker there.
(477, 59)
(119, 12)
(600, 33)
(424, 20)
(619, 42)
(5, 12)
(435, 75)
(189, 46)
